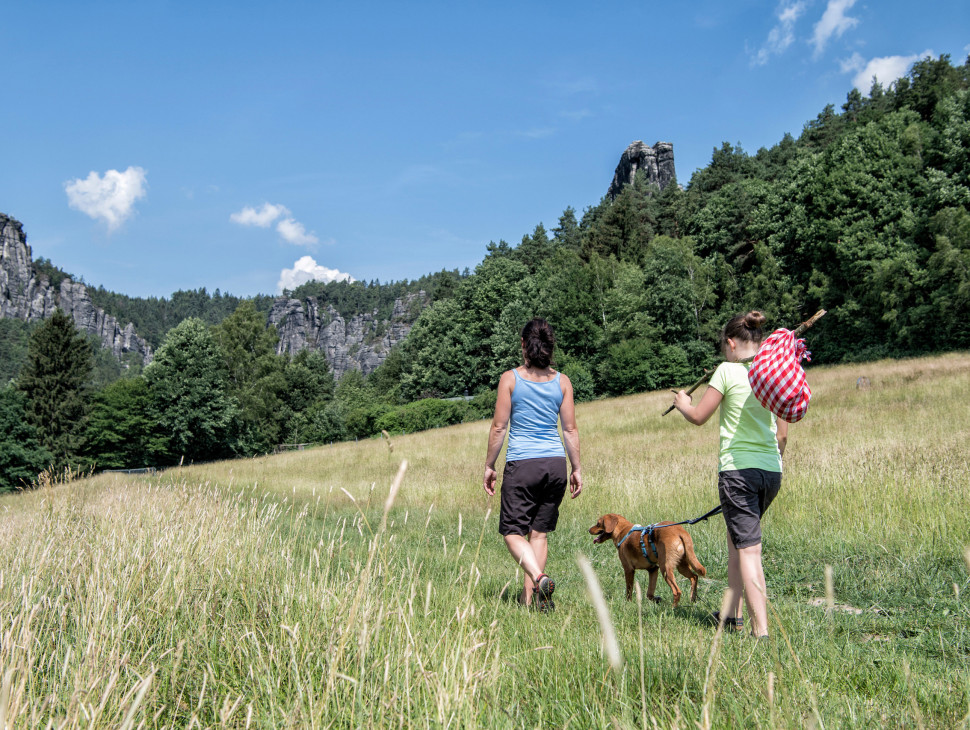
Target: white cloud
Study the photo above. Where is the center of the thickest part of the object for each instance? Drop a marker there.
(262, 217)
(577, 115)
(886, 69)
(834, 22)
(536, 132)
(306, 269)
(782, 35)
(855, 63)
(110, 198)
(294, 232)
(290, 229)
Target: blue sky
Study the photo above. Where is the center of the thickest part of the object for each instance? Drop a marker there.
(156, 146)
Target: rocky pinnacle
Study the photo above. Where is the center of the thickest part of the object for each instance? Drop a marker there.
(657, 162)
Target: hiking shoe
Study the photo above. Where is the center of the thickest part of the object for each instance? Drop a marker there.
(544, 588)
(545, 605)
(731, 623)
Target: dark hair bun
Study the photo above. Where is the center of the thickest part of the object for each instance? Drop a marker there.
(744, 327)
(754, 320)
(539, 340)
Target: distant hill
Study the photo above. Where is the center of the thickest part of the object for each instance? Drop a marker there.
(354, 324)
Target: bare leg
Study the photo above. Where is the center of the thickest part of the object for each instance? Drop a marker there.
(755, 594)
(540, 546)
(735, 584)
(525, 554)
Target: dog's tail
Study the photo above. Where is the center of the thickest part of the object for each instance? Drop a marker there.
(692, 560)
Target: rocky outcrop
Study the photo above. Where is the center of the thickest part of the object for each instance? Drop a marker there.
(657, 162)
(360, 342)
(25, 295)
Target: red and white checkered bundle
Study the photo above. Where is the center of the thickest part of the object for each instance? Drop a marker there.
(777, 378)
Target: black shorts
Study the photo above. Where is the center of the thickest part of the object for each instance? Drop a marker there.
(531, 492)
(745, 495)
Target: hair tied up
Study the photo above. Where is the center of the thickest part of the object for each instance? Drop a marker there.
(744, 327)
(754, 320)
(539, 341)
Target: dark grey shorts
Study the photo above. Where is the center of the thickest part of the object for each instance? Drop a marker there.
(531, 492)
(745, 495)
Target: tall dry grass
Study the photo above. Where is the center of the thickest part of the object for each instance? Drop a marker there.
(286, 591)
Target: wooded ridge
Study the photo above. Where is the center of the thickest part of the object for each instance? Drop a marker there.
(865, 214)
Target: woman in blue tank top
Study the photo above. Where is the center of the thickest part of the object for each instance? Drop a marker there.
(533, 398)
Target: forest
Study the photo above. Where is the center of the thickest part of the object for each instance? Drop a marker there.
(866, 214)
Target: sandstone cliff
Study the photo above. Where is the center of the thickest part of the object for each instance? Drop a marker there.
(24, 295)
(657, 162)
(360, 342)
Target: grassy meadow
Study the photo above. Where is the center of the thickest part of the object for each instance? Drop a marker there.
(279, 591)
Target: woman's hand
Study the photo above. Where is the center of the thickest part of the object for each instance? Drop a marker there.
(681, 400)
(698, 414)
(575, 483)
(489, 482)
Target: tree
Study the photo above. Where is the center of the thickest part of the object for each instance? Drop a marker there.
(534, 249)
(360, 407)
(189, 394)
(14, 336)
(949, 276)
(22, 457)
(451, 348)
(568, 299)
(677, 288)
(567, 234)
(255, 378)
(626, 224)
(55, 382)
(120, 426)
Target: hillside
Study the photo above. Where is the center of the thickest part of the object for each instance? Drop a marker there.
(865, 214)
(278, 590)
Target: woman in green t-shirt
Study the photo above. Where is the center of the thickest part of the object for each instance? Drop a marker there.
(752, 444)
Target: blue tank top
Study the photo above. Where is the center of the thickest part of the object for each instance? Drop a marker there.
(535, 414)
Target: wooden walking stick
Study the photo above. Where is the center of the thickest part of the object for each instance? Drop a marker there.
(708, 373)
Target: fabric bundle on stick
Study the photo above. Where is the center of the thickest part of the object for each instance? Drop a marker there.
(777, 378)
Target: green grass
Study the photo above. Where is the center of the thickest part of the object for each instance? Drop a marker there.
(269, 592)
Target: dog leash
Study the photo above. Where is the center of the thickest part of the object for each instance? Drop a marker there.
(716, 511)
(650, 529)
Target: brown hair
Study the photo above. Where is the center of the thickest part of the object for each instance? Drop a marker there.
(538, 340)
(744, 327)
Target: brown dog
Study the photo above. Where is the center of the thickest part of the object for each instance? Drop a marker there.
(674, 549)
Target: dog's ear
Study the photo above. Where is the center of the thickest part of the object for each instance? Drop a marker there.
(609, 523)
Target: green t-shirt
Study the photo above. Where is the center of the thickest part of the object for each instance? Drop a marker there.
(747, 428)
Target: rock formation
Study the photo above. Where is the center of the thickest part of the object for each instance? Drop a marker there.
(360, 342)
(657, 162)
(24, 295)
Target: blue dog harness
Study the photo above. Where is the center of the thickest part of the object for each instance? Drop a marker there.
(647, 530)
(650, 529)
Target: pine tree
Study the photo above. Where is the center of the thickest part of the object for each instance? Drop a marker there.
(21, 456)
(55, 382)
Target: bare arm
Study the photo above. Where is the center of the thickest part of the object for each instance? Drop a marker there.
(570, 435)
(782, 435)
(496, 433)
(699, 414)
